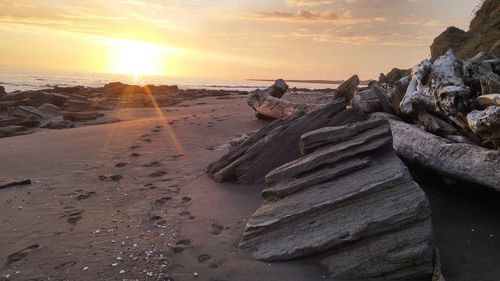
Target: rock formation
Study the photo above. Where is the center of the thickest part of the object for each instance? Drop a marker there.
(349, 201)
(483, 34)
(347, 89)
(393, 76)
(277, 144)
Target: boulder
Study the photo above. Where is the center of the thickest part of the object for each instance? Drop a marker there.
(27, 112)
(349, 202)
(394, 75)
(14, 130)
(75, 105)
(347, 89)
(81, 116)
(277, 144)
(59, 124)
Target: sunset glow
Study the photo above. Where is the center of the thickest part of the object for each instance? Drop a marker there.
(137, 58)
(294, 39)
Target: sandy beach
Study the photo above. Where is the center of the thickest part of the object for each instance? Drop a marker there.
(131, 201)
(132, 196)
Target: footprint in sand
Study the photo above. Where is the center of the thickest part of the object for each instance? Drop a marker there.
(17, 256)
(183, 242)
(158, 174)
(85, 195)
(111, 178)
(152, 164)
(147, 140)
(135, 154)
(162, 201)
(150, 186)
(186, 199)
(203, 258)
(135, 146)
(217, 228)
(121, 164)
(73, 215)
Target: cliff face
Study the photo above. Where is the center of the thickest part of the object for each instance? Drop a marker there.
(483, 34)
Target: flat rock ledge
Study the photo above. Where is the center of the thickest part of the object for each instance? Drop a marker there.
(350, 202)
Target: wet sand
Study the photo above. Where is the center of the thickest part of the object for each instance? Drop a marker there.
(131, 201)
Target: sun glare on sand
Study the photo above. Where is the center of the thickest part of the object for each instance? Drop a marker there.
(137, 58)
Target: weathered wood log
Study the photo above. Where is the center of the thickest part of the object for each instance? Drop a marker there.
(367, 101)
(487, 100)
(382, 95)
(434, 124)
(277, 143)
(268, 103)
(398, 93)
(486, 124)
(467, 162)
(351, 202)
(347, 89)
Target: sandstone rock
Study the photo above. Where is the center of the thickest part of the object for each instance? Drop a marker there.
(14, 130)
(394, 75)
(351, 202)
(483, 34)
(277, 144)
(27, 113)
(347, 89)
(2, 90)
(59, 124)
(81, 116)
(75, 105)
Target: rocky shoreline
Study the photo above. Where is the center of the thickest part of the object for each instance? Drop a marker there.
(23, 112)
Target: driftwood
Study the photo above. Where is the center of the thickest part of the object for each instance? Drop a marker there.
(351, 202)
(486, 124)
(457, 160)
(367, 101)
(14, 183)
(347, 89)
(268, 103)
(277, 144)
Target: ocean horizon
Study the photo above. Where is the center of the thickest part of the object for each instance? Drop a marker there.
(19, 80)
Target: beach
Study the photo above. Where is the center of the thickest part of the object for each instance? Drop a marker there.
(131, 201)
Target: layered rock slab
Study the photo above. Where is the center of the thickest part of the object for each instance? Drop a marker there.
(277, 144)
(351, 202)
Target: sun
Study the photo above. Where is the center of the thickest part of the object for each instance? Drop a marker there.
(137, 58)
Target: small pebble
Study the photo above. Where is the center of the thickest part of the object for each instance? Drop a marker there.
(114, 264)
(196, 275)
(122, 271)
(85, 268)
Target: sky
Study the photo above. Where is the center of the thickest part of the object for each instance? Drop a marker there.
(238, 39)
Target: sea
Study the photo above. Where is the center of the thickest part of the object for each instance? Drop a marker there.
(17, 80)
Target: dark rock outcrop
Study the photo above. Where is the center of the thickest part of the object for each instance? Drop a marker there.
(277, 144)
(347, 89)
(81, 116)
(483, 34)
(393, 76)
(351, 202)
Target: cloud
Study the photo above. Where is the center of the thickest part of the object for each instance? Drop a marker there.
(359, 37)
(301, 15)
(308, 2)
